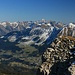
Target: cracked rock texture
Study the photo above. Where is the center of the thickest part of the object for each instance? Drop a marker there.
(59, 57)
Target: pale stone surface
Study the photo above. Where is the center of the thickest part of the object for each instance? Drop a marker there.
(58, 57)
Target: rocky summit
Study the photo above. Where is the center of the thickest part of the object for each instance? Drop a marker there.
(59, 58)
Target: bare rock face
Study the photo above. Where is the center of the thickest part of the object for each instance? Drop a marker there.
(72, 69)
(68, 31)
(58, 58)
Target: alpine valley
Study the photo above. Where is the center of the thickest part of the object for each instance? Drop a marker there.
(23, 45)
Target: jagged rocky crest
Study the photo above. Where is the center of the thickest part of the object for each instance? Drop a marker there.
(59, 58)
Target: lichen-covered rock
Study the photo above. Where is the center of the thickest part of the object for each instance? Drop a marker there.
(45, 68)
(72, 69)
(58, 57)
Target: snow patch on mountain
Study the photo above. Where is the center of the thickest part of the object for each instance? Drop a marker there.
(71, 25)
(12, 38)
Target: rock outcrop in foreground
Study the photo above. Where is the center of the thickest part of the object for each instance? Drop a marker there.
(59, 58)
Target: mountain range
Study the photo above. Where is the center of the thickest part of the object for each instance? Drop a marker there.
(23, 43)
(37, 32)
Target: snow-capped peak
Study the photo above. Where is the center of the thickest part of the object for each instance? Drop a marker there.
(71, 25)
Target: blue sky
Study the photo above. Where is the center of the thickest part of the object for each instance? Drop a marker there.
(23, 10)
